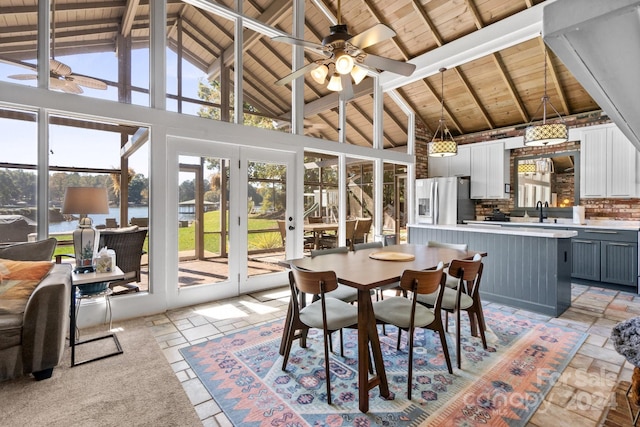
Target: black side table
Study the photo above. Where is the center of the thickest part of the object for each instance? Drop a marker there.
(78, 279)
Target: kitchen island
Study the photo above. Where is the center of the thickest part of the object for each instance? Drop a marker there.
(527, 268)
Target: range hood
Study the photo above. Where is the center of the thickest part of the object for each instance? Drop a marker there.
(599, 42)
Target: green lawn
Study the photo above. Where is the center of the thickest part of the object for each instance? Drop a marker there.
(186, 235)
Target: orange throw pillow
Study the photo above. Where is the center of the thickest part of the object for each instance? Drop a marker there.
(24, 270)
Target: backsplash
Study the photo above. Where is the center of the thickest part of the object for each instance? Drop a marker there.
(595, 209)
(618, 209)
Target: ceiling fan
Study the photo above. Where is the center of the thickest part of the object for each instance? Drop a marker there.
(344, 57)
(60, 75)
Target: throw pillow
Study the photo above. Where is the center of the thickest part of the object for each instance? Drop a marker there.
(18, 280)
(30, 251)
(24, 270)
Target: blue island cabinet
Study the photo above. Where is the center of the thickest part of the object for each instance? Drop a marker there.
(523, 268)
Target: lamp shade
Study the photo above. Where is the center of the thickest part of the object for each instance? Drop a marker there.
(320, 74)
(546, 134)
(443, 148)
(85, 200)
(335, 84)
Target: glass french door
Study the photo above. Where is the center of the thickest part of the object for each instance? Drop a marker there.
(229, 200)
(270, 221)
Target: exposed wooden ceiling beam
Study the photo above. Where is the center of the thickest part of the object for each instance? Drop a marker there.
(415, 108)
(395, 119)
(452, 118)
(128, 17)
(554, 77)
(380, 18)
(425, 18)
(497, 59)
(474, 97)
(363, 113)
(272, 15)
(505, 33)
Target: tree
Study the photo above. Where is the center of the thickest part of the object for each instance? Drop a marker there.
(210, 91)
(138, 188)
(186, 191)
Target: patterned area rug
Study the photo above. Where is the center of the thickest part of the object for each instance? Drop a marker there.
(500, 386)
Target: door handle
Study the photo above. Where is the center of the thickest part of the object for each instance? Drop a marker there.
(291, 227)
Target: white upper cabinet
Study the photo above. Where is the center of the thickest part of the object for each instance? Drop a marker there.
(489, 170)
(459, 165)
(607, 163)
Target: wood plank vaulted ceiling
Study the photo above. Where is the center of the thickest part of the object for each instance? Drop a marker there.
(502, 89)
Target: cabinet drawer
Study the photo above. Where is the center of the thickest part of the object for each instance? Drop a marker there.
(610, 235)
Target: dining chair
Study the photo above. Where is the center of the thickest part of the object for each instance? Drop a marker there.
(350, 229)
(368, 245)
(452, 282)
(406, 314)
(466, 297)
(328, 314)
(381, 289)
(282, 228)
(361, 233)
(342, 292)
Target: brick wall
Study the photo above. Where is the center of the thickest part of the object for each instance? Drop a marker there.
(609, 209)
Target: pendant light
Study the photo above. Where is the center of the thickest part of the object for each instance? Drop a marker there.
(442, 144)
(546, 133)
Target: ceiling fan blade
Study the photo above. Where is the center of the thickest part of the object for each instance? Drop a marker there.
(347, 88)
(386, 64)
(299, 72)
(87, 81)
(373, 35)
(64, 85)
(315, 47)
(23, 76)
(18, 63)
(59, 68)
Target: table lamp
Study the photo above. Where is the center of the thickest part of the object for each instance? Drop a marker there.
(85, 201)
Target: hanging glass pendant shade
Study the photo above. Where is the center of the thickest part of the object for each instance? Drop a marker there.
(544, 134)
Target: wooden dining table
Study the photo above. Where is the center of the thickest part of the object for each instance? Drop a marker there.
(360, 271)
(317, 228)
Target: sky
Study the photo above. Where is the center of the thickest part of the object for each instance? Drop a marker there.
(78, 147)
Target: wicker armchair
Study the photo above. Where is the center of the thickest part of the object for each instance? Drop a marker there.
(128, 248)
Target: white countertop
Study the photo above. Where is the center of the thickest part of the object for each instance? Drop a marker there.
(496, 228)
(564, 222)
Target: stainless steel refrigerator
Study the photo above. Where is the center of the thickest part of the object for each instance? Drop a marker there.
(444, 200)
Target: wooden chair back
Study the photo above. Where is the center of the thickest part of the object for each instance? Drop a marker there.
(283, 230)
(315, 219)
(469, 272)
(314, 282)
(363, 226)
(421, 282)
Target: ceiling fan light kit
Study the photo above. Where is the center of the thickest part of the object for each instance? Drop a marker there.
(358, 74)
(335, 84)
(546, 133)
(320, 74)
(344, 55)
(442, 144)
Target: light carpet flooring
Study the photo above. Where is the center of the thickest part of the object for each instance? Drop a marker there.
(581, 397)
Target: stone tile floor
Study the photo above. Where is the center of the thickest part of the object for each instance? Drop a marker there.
(581, 396)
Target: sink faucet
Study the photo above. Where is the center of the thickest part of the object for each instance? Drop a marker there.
(539, 207)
